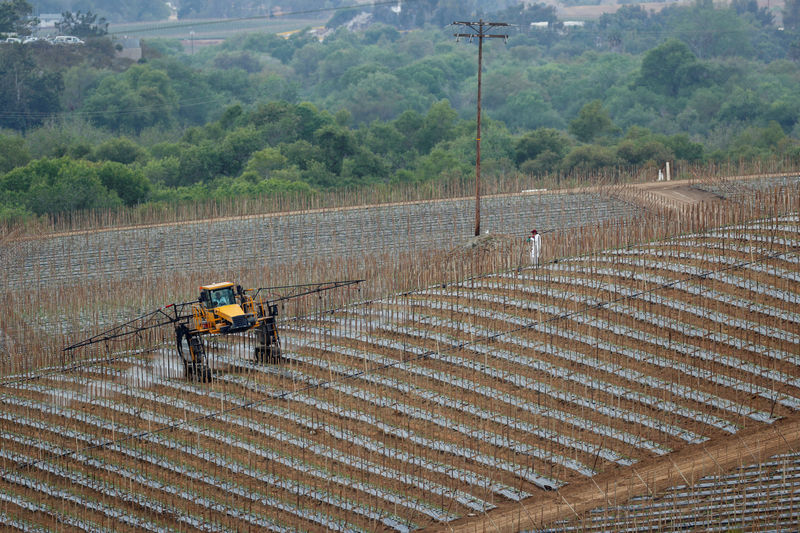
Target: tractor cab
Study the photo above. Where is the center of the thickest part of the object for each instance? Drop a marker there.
(220, 311)
(217, 295)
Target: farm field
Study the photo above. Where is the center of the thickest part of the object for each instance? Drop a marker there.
(437, 406)
(231, 245)
(761, 496)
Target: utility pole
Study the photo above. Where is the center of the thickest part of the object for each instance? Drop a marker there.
(479, 31)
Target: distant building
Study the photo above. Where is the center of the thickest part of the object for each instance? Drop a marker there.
(564, 25)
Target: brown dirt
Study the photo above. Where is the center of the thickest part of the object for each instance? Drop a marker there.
(678, 192)
(648, 477)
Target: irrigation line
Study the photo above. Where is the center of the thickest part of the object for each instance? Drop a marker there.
(398, 364)
(113, 333)
(123, 356)
(78, 366)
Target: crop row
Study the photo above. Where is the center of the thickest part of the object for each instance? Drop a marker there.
(763, 496)
(158, 444)
(236, 244)
(422, 407)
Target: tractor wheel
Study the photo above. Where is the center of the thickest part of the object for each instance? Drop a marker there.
(203, 374)
(197, 372)
(268, 355)
(275, 353)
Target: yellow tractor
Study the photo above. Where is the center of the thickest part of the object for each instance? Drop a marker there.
(222, 308)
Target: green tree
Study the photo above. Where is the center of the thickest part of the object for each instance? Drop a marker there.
(437, 126)
(51, 186)
(301, 153)
(382, 138)
(379, 95)
(120, 149)
(79, 82)
(139, 98)
(236, 149)
(27, 94)
(199, 163)
(630, 152)
(592, 122)
(588, 158)
(316, 173)
(544, 163)
(408, 124)
(240, 60)
(757, 142)
(670, 67)
(528, 110)
(335, 144)
(13, 152)
(128, 183)
(364, 167)
(742, 105)
(381, 34)
(264, 161)
(14, 17)
(84, 25)
(163, 172)
(309, 119)
(684, 148)
(711, 32)
(196, 94)
(440, 163)
(534, 143)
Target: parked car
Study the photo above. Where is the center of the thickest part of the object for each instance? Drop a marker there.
(67, 39)
(12, 40)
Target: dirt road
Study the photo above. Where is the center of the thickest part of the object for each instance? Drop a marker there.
(614, 487)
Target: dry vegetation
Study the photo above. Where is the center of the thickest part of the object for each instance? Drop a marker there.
(756, 496)
(644, 334)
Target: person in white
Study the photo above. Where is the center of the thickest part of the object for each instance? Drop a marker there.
(536, 247)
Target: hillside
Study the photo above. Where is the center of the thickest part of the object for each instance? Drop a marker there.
(461, 401)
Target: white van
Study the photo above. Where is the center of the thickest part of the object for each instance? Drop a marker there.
(67, 39)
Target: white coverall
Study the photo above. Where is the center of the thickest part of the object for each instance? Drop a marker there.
(536, 248)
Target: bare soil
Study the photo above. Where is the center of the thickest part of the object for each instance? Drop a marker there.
(678, 192)
(648, 477)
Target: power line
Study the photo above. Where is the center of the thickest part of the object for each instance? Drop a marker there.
(189, 102)
(479, 31)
